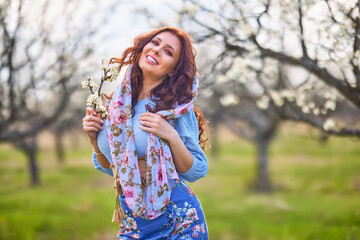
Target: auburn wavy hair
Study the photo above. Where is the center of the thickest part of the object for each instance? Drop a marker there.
(175, 89)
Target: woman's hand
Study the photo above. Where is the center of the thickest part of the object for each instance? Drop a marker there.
(154, 123)
(157, 125)
(92, 124)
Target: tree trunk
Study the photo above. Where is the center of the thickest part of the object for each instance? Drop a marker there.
(29, 146)
(59, 146)
(263, 183)
(34, 172)
(215, 139)
(75, 141)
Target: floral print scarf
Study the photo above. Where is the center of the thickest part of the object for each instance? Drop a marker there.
(147, 200)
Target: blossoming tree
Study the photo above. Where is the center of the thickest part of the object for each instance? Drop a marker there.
(282, 60)
(320, 38)
(40, 56)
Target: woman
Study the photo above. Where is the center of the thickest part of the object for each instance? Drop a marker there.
(151, 139)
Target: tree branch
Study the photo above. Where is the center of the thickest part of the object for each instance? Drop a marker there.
(350, 93)
(302, 37)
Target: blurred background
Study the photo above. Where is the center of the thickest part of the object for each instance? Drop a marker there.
(280, 88)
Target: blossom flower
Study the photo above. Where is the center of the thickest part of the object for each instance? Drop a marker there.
(329, 124)
(276, 98)
(316, 111)
(288, 94)
(311, 105)
(300, 100)
(93, 99)
(89, 83)
(113, 72)
(110, 73)
(305, 109)
(103, 109)
(263, 102)
(84, 84)
(330, 105)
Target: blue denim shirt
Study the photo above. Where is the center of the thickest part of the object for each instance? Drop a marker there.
(187, 128)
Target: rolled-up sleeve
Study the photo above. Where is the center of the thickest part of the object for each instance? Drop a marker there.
(99, 167)
(187, 127)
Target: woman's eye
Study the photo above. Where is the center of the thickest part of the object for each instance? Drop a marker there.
(154, 42)
(168, 53)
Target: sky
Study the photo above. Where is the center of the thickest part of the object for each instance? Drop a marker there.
(125, 24)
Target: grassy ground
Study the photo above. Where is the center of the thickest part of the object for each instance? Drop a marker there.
(317, 196)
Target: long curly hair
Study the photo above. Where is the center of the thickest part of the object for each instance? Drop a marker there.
(175, 89)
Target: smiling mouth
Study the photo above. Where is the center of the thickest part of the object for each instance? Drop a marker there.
(151, 60)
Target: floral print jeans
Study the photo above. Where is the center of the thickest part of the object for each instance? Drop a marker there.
(183, 219)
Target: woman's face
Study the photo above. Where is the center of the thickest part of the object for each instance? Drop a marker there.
(160, 56)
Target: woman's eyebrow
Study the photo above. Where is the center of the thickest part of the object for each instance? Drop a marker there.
(167, 44)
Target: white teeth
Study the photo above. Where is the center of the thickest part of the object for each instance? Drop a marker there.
(151, 59)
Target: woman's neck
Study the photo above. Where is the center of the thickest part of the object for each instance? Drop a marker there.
(148, 85)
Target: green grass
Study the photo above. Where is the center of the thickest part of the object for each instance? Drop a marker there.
(317, 193)
(73, 201)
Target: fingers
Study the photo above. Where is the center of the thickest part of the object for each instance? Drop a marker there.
(148, 129)
(90, 111)
(91, 115)
(150, 120)
(92, 118)
(91, 126)
(151, 117)
(153, 130)
(148, 123)
(149, 114)
(91, 122)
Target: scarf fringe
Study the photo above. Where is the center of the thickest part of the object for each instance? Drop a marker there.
(118, 214)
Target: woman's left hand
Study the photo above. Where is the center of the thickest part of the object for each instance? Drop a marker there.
(157, 125)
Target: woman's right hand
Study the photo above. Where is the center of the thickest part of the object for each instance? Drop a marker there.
(92, 124)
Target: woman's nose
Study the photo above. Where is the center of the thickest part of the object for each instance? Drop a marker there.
(156, 50)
